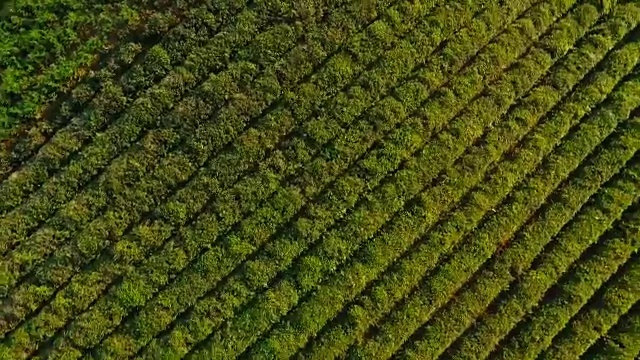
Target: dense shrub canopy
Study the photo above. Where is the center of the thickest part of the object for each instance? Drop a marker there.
(362, 179)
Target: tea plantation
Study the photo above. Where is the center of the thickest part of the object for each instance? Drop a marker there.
(320, 179)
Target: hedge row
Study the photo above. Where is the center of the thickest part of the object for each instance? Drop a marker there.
(64, 228)
(325, 75)
(358, 317)
(340, 193)
(144, 112)
(49, 45)
(167, 38)
(553, 263)
(483, 335)
(473, 299)
(158, 187)
(612, 301)
(375, 255)
(311, 266)
(445, 280)
(249, 189)
(622, 341)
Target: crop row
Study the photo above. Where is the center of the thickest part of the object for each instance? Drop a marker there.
(442, 284)
(47, 45)
(30, 211)
(496, 276)
(486, 332)
(452, 183)
(481, 337)
(324, 256)
(75, 219)
(188, 283)
(61, 229)
(44, 205)
(11, 147)
(59, 224)
(61, 187)
(211, 233)
(461, 313)
(44, 236)
(201, 152)
(416, 263)
(156, 188)
(586, 276)
(93, 159)
(375, 251)
(347, 139)
(167, 38)
(287, 246)
(214, 21)
(622, 341)
(612, 300)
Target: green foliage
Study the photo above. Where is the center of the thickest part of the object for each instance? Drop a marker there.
(613, 300)
(455, 180)
(319, 179)
(48, 45)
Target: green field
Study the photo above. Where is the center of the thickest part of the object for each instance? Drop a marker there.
(320, 179)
